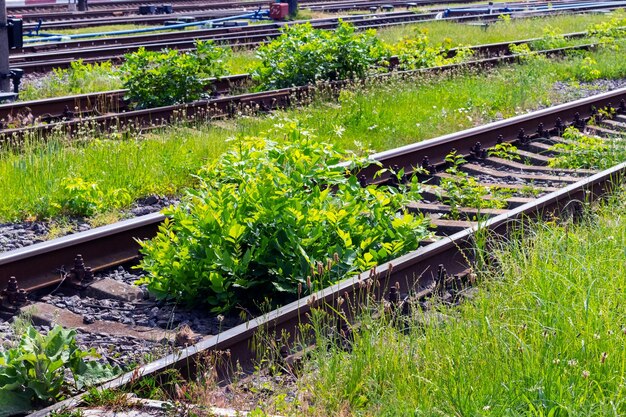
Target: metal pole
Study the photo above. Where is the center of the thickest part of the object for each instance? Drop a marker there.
(293, 7)
(5, 84)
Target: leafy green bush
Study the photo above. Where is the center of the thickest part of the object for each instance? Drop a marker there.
(302, 55)
(43, 369)
(582, 151)
(505, 150)
(460, 190)
(550, 40)
(84, 198)
(415, 53)
(168, 77)
(613, 28)
(266, 216)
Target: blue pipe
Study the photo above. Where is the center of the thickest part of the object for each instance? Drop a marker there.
(259, 14)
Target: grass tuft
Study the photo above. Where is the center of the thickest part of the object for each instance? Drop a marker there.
(543, 336)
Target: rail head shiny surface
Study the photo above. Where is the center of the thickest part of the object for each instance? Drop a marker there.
(76, 239)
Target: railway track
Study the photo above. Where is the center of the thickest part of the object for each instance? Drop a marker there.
(103, 110)
(204, 11)
(44, 57)
(440, 263)
(184, 39)
(71, 20)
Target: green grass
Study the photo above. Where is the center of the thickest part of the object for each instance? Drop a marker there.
(241, 61)
(78, 79)
(379, 115)
(544, 336)
(516, 29)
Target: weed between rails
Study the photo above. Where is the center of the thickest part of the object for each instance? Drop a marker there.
(542, 335)
(86, 78)
(380, 115)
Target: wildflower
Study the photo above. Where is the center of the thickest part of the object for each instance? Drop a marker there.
(585, 374)
(572, 362)
(556, 361)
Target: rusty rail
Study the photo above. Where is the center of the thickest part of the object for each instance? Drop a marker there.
(420, 269)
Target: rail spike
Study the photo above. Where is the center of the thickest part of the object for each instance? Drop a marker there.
(13, 297)
(362, 180)
(394, 294)
(579, 123)
(522, 137)
(428, 167)
(541, 131)
(478, 151)
(558, 125)
(80, 275)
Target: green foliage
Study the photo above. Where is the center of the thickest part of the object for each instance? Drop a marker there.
(84, 198)
(43, 369)
(504, 19)
(79, 78)
(505, 150)
(461, 190)
(302, 55)
(542, 335)
(112, 400)
(418, 52)
(610, 30)
(587, 70)
(266, 216)
(382, 113)
(550, 40)
(525, 53)
(170, 76)
(587, 152)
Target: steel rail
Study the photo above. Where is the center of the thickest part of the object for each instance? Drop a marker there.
(244, 37)
(189, 36)
(74, 20)
(59, 252)
(106, 101)
(161, 116)
(416, 270)
(104, 6)
(100, 16)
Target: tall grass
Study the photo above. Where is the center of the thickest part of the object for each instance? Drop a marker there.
(79, 80)
(501, 31)
(378, 115)
(545, 335)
